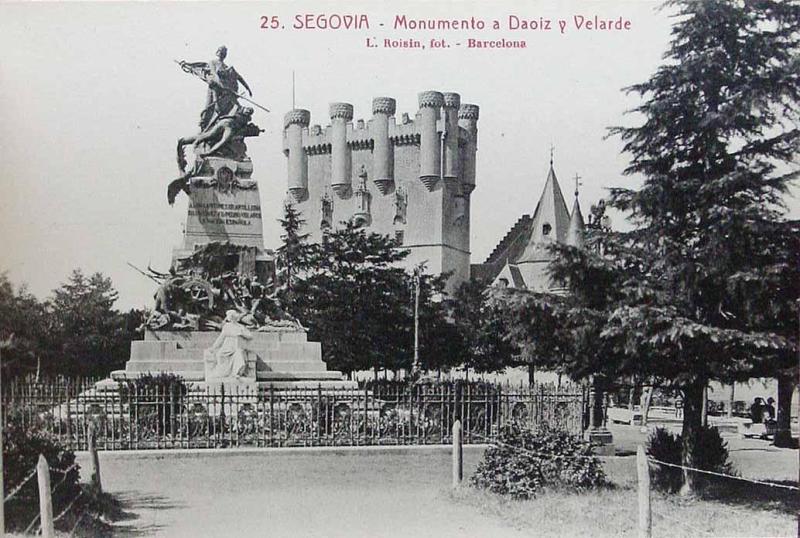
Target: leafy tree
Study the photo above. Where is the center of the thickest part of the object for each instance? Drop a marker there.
(766, 300)
(720, 116)
(441, 343)
(26, 318)
(355, 300)
(481, 329)
(90, 336)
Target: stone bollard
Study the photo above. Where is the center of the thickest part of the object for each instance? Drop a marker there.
(458, 455)
(95, 459)
(643, 475)
(45, 498)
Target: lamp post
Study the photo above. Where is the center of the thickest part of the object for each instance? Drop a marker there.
(415, 281)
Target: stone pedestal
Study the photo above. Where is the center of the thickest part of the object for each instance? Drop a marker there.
(225, 207)
(280, 358)
(603, 441)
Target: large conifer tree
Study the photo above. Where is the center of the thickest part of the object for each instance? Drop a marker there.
(715, 149)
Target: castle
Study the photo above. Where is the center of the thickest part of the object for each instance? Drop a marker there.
(521, 258)
(411, 180)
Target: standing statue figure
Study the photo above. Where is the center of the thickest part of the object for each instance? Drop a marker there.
(227, 357)
(223, 86)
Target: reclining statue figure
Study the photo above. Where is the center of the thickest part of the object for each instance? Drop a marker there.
(210, 142)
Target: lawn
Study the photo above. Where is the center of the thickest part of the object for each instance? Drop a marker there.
(732, 508)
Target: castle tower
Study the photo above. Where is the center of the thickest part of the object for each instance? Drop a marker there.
(550, 225)
(576, 232)
(521, 258)
(410, 179)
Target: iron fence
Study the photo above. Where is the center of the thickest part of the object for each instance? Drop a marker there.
(130, 417)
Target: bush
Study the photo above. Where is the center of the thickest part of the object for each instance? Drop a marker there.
(22, 444)
(711, 455)
(526, 462)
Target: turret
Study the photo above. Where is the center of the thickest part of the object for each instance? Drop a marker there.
(429, 144)
(294, 122)
(452, 102)
(383, 152)
(575, 232)
(341, 114)
(468, 119)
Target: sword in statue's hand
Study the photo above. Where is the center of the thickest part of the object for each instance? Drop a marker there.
(188, 68)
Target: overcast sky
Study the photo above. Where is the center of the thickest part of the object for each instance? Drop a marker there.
(92, 105)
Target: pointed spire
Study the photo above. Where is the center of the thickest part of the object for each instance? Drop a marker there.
(550, 221)
(575, 233)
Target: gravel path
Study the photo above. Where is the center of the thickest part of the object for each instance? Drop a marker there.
(277, 493)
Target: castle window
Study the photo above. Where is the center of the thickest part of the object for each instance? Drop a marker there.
(546, 229)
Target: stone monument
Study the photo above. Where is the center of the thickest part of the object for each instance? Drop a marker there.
(217, 317)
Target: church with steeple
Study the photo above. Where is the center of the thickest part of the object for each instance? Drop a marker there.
(521, 258)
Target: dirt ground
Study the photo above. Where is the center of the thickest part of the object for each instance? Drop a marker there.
(282, 493)
(352, 492)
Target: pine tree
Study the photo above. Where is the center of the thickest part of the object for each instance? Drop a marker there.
(715, 150)
(293, 252)
(89, 334)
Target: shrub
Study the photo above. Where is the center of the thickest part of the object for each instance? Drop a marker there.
(711, 454)
(22, 444)
(525, 462)
(167, 390)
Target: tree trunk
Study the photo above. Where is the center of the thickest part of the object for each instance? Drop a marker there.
(597, 406)
(783, 433)
(646, 399)
(531, 371)
(375, 373)
(704, 410)
(731, 397)
(692, 423)
(631, 395)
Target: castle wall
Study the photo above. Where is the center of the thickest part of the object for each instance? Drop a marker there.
(411, 179)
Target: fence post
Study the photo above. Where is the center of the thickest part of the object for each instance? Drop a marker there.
(95, 459)
(643, 474)
(45, 498)
(458, 455)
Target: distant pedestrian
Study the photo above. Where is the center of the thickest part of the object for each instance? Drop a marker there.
(769, 409)
(757, 410)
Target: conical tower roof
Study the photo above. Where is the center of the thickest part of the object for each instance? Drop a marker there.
(576, 230)
(550, 222)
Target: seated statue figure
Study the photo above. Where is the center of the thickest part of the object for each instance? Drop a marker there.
(227, 358)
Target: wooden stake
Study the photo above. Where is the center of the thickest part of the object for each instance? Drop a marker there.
(45, 498)
(458, 455)
(95, 459)
(643, 474)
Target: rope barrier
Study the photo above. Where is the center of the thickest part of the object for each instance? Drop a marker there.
(32, 523)
(52, 490)
(64, 471)
(69, 506)
(762, 482)
(531, 452)
(77, 522)
(63, 478)
(19, 486)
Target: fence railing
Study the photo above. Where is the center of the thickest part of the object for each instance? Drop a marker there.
(129, 417)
